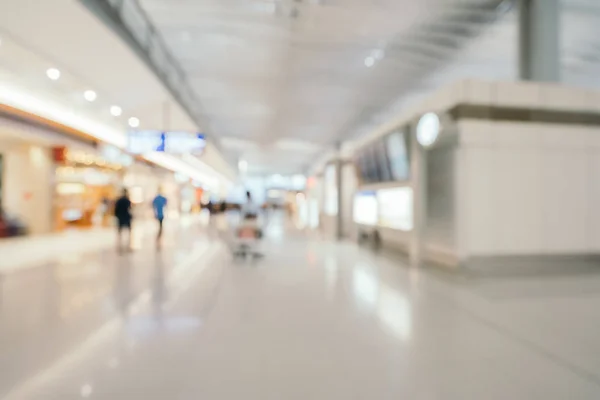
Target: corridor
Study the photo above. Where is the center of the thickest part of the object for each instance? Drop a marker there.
(312, 320)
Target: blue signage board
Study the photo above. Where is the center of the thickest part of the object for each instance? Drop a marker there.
(173, 142)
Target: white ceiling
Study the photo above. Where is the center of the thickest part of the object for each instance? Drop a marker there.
(270, 72)
(281, 81)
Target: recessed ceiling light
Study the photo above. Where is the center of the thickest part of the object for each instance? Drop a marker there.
(90, 95)
(53, 74)
(116, 111)
(134, 122)
(86, 390)
(378, 54)
(369, 62)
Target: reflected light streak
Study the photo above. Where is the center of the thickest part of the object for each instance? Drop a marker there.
(366, 288)
(394, 312)
(331, 272)
(73, 359)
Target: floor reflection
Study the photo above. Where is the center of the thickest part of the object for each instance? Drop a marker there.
(123, 291)
(389, 305)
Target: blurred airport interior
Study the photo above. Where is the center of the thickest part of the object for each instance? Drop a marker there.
(299, 199)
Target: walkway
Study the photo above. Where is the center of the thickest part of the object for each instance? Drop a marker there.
(313, 320)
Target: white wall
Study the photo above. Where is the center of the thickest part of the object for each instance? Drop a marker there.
(27, 187)
(440, 232)
(530, 188)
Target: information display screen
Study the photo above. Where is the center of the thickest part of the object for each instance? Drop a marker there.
(396, 208)
(383, 162)
(372, 165)
(397, 154)
(144, 142)
(365, 209)
(174, 142)
(362, 167)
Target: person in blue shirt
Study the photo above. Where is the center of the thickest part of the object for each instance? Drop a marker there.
(159, 204)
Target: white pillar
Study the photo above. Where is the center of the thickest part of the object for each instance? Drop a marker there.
(339, 185)
(539, 40)
(419, 186)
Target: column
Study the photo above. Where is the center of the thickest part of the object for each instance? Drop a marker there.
(419, 186)
(339, 230)
(539, 40)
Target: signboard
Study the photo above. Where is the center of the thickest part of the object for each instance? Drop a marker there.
(396, 208)
(174, 142)
(365, 209)
(59, 154)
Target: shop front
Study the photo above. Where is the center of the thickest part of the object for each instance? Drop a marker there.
(86, 185)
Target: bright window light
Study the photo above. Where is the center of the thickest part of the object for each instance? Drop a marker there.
(116, 111)
(369, 62)
(53, 74)
(90, 95)
(134, 122)
(243, 165)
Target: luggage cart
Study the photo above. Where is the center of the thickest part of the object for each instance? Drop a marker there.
(246, 239)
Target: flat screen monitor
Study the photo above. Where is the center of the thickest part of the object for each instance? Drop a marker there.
(365, 208)
(383, 162)
(398, 155)
(174, 142)
(361, 168)
(372, 167)
(396, 208)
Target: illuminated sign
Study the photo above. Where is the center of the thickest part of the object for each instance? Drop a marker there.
(174, 142)
(428, 129)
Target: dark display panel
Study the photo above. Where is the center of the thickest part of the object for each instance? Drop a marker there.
(385, 160)
(398, 155)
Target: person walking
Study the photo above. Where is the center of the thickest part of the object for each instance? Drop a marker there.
(158, 204)
(124, 216)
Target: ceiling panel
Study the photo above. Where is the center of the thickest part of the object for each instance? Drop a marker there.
(325, 70)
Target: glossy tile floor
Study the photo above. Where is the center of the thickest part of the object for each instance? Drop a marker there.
(312, 320)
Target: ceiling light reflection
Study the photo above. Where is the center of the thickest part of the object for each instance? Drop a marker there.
(394, 312)
(365, 287)
(369, 62)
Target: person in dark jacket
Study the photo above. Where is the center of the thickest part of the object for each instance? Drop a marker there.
(124, 217)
